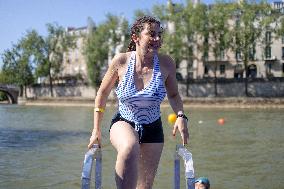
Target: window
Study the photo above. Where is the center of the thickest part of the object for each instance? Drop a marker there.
(283, 39)
(282, 67)
(269, 67)
(222, 69)
(252, 53)
(282, 53)
(268, 37)
(206, 70)
(238, 55)
(267, 52)
(222, 54)
(205, 56)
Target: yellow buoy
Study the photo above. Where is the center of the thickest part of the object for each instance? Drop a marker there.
(172, 118)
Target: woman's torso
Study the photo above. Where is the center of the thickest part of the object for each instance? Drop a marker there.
(140, 103)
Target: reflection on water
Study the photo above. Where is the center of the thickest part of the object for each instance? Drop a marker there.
(43, 147)
(27, 138)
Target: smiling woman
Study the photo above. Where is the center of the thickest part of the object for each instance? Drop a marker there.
(144, 78)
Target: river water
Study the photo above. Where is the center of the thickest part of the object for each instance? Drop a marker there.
(43, 147)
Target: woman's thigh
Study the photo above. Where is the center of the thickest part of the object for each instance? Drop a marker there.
(123, 135)
(150, 154)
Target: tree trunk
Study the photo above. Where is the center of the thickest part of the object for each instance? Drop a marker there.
(21, 91)
(215, 80)
(187, 79)
(50, 81)
(25, 91)
(246, 79)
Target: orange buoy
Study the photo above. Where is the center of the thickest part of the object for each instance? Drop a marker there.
(172, 118)
(221, 121)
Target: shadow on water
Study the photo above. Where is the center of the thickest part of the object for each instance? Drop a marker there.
(26, 138)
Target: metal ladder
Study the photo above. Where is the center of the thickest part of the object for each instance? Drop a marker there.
(94, 154)
(182, 152)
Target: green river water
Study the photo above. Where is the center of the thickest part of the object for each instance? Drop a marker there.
(43, 147)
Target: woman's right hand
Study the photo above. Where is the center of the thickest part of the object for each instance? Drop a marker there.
(95, 139)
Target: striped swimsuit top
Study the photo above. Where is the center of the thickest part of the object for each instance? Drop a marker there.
(141, 106)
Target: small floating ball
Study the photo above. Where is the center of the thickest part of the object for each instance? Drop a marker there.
(172, 118)
(221, 121)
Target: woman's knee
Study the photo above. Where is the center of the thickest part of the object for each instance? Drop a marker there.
(129, 149)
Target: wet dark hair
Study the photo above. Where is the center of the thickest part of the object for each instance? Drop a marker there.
(137, 27)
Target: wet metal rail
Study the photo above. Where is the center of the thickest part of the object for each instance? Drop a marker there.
(182, 152)
(93, 155)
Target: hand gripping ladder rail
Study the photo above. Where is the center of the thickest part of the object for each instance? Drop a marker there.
(93, 154)
(182, 152)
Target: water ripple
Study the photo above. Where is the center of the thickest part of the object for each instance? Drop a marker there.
(26, 138)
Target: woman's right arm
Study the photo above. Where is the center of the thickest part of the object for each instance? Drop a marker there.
(107, 84)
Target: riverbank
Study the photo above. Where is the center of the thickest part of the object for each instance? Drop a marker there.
(211, 102)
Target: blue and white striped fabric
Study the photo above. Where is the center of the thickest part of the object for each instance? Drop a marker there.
(141, 107)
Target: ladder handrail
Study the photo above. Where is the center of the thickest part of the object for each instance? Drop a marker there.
(182, 152)
(95, 154)
(92, 154)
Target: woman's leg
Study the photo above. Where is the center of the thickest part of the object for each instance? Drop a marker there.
(149, 158)
(125, 140)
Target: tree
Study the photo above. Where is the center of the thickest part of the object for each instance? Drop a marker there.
(171, 16)
(16, 68)
(251, 20)
(186, 27)
(277, 18)
(33, 46)
(104, 42)
(218, 32)
(55, 45)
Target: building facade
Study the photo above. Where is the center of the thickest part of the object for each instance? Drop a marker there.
(74, 66)
(266, 60)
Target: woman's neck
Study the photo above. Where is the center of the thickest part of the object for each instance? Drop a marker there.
(144, 59)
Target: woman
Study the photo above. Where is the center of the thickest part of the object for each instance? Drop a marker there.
(145, 77)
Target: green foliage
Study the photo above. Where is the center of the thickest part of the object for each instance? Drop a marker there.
(35, 56)
(104, 40)
(34, 47)
(188, 24)
(16, 67)
(3, 96)
(56, 44)
(252, 20)
(218, 28)
(140, 13)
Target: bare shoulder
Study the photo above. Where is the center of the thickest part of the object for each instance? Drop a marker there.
(167, 65)
(166, 62)
(119, 59)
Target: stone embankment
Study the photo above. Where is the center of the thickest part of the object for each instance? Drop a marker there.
(210, 102)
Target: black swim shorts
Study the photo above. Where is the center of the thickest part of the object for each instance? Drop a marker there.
(148, 133)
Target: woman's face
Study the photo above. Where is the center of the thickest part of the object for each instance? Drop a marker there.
(149, 39)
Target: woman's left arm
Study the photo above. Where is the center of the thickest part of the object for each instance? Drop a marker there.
(175, 99)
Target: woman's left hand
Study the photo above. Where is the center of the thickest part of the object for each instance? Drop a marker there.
(181, 125)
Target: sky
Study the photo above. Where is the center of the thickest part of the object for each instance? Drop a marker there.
(18, 16)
